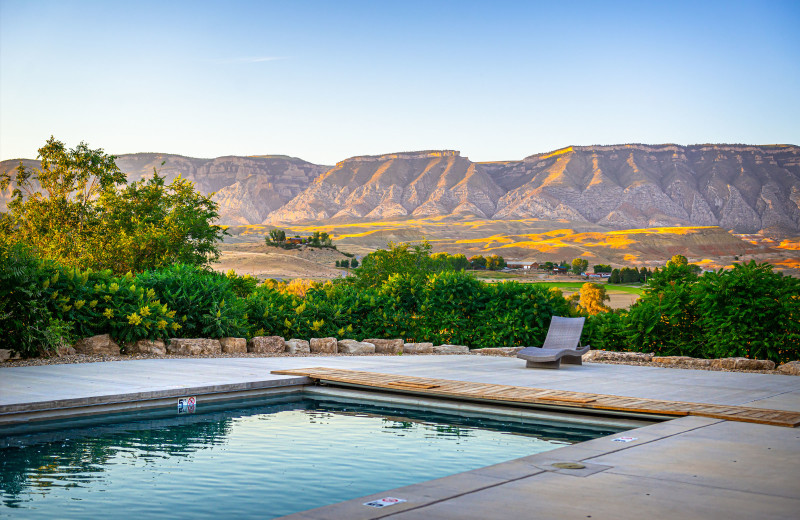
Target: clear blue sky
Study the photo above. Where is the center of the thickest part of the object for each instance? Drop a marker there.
(328, 80)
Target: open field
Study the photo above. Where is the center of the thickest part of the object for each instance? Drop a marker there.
(519, 240)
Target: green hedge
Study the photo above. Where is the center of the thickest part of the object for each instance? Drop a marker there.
(745, 311)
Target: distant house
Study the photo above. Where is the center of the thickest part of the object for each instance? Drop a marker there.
(518, 265)
(294, 240)
(596, 275)
(561, 269)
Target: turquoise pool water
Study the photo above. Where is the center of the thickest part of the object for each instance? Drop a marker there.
(253, 462)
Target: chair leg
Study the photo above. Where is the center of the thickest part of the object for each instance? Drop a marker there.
(544, 364)
(572, 360)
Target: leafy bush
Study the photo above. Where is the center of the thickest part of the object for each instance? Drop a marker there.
(101, 303)
(26, 323)
(205, 301)
(747, 311)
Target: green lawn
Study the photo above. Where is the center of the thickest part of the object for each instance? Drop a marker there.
(575, 286)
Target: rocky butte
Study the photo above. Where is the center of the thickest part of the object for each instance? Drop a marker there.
(743, 188)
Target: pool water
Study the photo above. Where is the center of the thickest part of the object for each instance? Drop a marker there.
(253, 462)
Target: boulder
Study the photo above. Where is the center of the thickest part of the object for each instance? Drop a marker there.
(742, 363)
(322, 345)
(233, 345)
(147, 346)
(792, 368)
(298, 346)
(609, 355)
(498, 351)
(418, 348)
(97, 345)
(682, 360)
(65, 350)
(386, 346)
(266, 345)
(193, 346)
(351, 346)
(5, 354)
(451, 349)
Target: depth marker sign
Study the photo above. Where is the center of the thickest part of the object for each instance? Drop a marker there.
(384, 502)
(187, 405)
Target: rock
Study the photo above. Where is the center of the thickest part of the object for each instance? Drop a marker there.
(266, 345)
(451, 349)
(742, 363)
(499, 351)
(102, 344)
(418, 348)
(386, 346)
(5, 354)
(609, 355)
(323, 345)
(147, 346)
(351, 346)
(193, 346)
(65, 350)
(233, 345)
(792, 368)
(682, 360)
(298, 346)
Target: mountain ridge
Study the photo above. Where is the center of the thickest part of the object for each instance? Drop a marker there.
(744, 188)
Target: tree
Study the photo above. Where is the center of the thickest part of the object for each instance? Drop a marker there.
(353, 263)
(614, 278)
(458, 262)
(495, 263)
(677, 260)
(276, 237)
(52, 208)
(602, 268)
(477, 262)
(83, 215)
(151, 224)
(403, 259)
(592, 298)
(579, 265)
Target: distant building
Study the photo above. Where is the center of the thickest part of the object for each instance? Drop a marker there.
(294, 240)
(518, 265)
(561, 269)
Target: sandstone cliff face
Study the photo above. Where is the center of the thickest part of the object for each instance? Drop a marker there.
(417, 184)
(739, 187)
(744, 188)
(247, 189)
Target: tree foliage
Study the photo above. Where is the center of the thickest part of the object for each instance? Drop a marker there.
(78, 210)
(580, 265)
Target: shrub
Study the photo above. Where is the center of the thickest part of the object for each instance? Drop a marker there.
(26, 323)
(749, 311)
(101, 303)
(205, 301)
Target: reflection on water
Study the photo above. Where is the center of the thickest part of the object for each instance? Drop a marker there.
(253, 462)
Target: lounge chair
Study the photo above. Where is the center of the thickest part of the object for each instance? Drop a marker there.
(563, 342)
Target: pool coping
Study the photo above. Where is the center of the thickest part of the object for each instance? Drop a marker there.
(505, 488)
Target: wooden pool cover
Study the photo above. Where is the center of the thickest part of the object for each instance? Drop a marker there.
(523, 394)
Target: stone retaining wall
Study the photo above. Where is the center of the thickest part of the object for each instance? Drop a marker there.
(104, 345)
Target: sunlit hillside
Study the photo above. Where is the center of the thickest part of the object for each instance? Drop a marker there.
(536, 240)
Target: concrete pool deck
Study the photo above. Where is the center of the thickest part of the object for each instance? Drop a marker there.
(690, 467)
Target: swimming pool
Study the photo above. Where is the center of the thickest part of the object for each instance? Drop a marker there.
(286, 454)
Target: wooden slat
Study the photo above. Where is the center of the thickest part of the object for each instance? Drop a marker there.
(565, 398)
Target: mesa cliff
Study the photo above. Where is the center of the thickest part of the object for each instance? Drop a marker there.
(744, 188)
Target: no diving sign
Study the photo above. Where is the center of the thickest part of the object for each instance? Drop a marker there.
(384, 502)
(187, 404)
